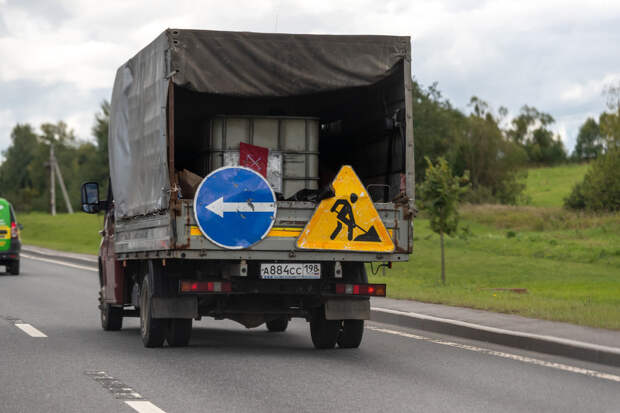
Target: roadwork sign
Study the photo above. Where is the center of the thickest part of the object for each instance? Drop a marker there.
(234, 207)
(348, 221)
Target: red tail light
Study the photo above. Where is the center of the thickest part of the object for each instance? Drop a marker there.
(377, 290)
(14, 230)
(205, 286)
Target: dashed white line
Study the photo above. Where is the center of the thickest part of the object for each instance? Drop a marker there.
(123, 392)
(30, 330)
(143, 406)
(66, 264)
(524, 359)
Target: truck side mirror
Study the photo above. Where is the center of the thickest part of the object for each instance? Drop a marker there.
(90, 197)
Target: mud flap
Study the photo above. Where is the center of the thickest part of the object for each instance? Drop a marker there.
(174, 307)
(347, 309)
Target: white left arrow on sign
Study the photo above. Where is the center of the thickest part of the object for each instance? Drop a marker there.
(218, 207)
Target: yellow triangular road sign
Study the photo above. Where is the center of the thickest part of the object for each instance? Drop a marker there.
(348, 221)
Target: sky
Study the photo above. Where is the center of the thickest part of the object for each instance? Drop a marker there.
(58, 58)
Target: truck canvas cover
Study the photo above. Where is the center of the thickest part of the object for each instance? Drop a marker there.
(235, 64)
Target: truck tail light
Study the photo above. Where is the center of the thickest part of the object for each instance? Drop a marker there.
(14, 230)
(377, 290)
(205, 286)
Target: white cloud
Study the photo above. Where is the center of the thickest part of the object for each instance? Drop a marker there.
(7, 121)
(589, 89)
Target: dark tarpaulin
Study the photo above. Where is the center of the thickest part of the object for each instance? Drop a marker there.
(265, 64)
(223, 63)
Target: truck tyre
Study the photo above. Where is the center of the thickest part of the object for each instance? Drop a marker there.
(179, 332)
(111, 317)
(351, 334)
(278, 325)
(14, 268)
(324, 332)
(152, 330)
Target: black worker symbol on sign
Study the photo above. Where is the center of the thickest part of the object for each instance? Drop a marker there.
(345, 216)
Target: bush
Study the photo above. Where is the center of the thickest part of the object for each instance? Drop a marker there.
(480, 195)
(576, 199)
(600, 189)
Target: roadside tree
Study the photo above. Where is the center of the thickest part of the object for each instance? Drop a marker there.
(493, 162)
(610, 129)
(531, 130)
(440, 194)
(589, 141)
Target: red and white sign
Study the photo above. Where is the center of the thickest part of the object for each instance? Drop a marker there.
(254, 157)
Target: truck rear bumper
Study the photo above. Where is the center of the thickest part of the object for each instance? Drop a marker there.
(266, 306)
(11, 255)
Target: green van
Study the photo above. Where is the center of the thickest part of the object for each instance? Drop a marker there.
(10, 244)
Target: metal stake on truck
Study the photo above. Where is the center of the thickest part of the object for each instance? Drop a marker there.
(251, 177)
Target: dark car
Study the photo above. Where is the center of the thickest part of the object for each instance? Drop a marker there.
(10, 244)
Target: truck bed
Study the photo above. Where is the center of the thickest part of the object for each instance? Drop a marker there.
(176, 235)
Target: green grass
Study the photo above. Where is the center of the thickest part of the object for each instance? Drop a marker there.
(571, 273)
(66, 232)
(548, 186)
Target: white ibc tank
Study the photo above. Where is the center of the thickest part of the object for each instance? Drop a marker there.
(293, 144)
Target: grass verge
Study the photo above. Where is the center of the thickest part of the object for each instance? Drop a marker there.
(571, 273)
(548, 186)
(65, 232)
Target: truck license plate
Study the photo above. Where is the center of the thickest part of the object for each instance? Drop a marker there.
(296, 271)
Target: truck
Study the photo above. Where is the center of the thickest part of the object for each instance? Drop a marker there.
(253, 177)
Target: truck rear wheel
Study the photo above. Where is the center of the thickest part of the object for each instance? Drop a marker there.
(111, 317)
(278, 325)
(152, 330)
(351, 334)
(179, 332)
(324, 332)
(13, 268)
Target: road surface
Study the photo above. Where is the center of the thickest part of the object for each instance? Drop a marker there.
(54, 357)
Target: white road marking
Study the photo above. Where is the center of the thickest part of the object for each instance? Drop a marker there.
(30, 330)
(143, 406)
(66, 264)
(123, 392)
(524, 359)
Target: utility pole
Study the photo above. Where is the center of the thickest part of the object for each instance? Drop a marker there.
(52, 183)
(63, 188)
(55, 172)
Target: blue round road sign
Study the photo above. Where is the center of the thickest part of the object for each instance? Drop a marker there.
(235, 207)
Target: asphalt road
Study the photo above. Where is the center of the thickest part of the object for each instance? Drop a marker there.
(228, 368)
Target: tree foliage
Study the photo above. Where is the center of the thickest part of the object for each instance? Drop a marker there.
(440, 194)
(531, 130)
(492, 161)
(437, 128)
(475, 143)
(600, 188)
(610, 121)
(589, 141)
(439, 197)
(610, 129)
(25, 173)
